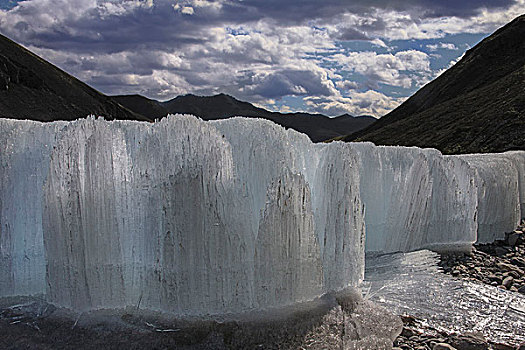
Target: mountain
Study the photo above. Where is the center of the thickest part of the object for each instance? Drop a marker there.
(31, 88)
(317, 126)
(142, 105)
(478, 105)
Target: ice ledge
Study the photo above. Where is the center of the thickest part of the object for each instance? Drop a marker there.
(196, 217)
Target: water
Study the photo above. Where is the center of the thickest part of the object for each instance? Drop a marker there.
(413, 284)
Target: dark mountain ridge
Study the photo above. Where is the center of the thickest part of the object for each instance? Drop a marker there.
(478, 105)
(31, 88)
(317, 126)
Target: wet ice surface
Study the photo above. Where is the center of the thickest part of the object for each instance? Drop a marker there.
(412, 283)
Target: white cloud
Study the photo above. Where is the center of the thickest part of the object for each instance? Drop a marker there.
(357, 103)
(379, 42)
(187, 10)
(390, 69)
(444, 46)
(346, 85)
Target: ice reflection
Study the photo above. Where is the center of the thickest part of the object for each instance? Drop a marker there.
(412, 283)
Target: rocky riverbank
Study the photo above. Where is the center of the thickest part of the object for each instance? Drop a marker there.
(500, 264)
(417, 335)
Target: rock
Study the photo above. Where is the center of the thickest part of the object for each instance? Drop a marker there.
(509, 267)
(514, 274)
(507, 282)
(370, 342)
(518, 261)
(500, 251)
(443, 346)
(521, 346)
(407, 333)
(469, 341)
(513, 239)
(495, 278)
(498, 346)
(522, 291)
(407, 319)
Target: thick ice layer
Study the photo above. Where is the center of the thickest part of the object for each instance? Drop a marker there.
(498, 179)
(415, 198)
(24, 161)
(180, 216)
(195, 217)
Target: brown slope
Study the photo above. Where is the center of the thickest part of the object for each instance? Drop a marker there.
(31, 88)
(481, 93)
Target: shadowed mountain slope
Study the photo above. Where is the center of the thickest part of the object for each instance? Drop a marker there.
(317, 126)
(478, 105)
(31, 88)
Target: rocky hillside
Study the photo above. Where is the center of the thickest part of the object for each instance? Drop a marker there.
(478, 105)
(31, 88)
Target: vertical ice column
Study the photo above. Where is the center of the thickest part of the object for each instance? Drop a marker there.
(454, 204)
(261, 150)
(262, 153)
(395, 188)
(415, 198)
(339, 216)
(24, 160)
(288, 265)
(498, 194)
(195, 258)
(82, 240)
(518, 158)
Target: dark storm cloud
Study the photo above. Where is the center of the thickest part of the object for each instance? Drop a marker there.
(161, 25)
(291, 82)
(301, 10)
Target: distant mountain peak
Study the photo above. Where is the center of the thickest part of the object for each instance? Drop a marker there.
(317, 126)
(51, 94)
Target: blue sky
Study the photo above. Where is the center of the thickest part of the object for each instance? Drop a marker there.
(331, 57)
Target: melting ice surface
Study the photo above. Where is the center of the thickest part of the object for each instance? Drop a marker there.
(194, 217)
(412, 283)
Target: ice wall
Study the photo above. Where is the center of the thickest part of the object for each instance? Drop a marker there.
(24, 159)
(416, 198)
(184, 216)
(195, 217)
(499, 181)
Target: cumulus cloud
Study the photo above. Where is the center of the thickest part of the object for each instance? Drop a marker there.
(391, 69)
(444, 46)
(356, 103)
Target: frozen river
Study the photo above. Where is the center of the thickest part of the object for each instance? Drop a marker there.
(412, 283)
